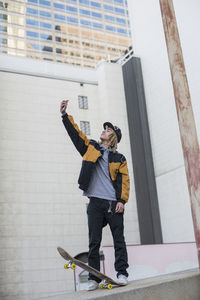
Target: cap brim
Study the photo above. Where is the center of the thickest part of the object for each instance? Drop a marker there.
(110, 125)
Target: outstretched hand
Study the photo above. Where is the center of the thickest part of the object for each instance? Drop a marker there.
(119, 207)
(63, 106)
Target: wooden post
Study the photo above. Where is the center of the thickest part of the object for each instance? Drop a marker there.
(184, 111)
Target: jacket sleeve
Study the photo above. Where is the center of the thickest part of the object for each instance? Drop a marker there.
(125, 181)
(78, 138)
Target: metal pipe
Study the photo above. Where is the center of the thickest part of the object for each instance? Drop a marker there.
(185, 114)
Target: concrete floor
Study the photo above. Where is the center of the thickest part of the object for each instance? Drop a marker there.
(176, 286)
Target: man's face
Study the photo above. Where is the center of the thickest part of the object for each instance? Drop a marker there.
(105, 135)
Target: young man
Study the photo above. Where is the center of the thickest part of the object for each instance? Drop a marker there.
(104, 180)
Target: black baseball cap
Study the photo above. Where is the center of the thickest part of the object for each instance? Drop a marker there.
(115, 128)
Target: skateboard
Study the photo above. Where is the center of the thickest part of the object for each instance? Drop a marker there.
(107, 282)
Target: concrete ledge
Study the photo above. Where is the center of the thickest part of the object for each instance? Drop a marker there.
(183, 285)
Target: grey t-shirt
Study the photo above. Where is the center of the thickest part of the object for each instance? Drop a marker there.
(100, 185)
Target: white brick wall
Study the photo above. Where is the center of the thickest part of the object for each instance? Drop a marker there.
(41, 205)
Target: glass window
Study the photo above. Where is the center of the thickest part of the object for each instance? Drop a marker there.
(32, 34)
(121, 21)
(110, 28)
(32, 1)
(3, 28)
(47, 48)
(85, 127)
(71, 9)
(44, 2)
(35, 46)
(32, 22)
(83, 102)
(4, 17)
(97, 15)
(121, 30)
(44, 36)
(109, 18)
(45, 25)
(85, 12)
(59, 17)
(85, 23)
(31, 11)
(119, 10)
(59, 6)
(95, 4)
(119, 1)
(45, 14)
(72, 20)
(108, 7)
(97, 25)
(84, 2)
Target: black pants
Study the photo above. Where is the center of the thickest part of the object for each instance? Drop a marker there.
(98, 217)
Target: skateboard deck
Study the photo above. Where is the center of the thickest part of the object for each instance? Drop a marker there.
(107, 282)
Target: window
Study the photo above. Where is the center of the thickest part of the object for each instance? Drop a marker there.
(45, 25)
(85, 23)
(85, 127)
(3, 41)
(96, 15)
(97, 25)
(35, 46)
(3, 17)
(119, 10)
(47, 48)
(95, 4)
(72, 9)
(31, 22)
(121, 30)
(45, 14)
(59, 6)
(108, 7)
(85, 12)
(121, 21)
(31, 11)
(110, 28)
(44, 36)
(32, 34)
(83, 102)
(119, 2)
(72, 20)
(109, 18)
(84, 2)
(3, 28)
(59, 17)
(32, 1)
(45, 3)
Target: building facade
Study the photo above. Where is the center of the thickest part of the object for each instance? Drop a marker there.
(79, 32)
(41, 205)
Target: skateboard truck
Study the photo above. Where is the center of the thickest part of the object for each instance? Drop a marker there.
(105, 285)
(70, 265)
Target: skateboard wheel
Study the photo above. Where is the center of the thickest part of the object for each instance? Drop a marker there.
(109, 286)
(73, 266)
(101, 286)
(66, 266)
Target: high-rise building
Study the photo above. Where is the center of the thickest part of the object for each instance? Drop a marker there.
(79, 32)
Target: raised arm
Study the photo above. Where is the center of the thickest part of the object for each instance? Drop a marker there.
(78, 138)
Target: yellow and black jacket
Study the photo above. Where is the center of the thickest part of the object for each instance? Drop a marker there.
(90, 151)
